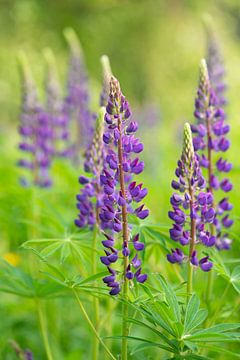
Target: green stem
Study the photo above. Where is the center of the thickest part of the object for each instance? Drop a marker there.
(43, 327)
(189, 280)
(95, 299)
(192, 244)
(91, 324)
(125, 326)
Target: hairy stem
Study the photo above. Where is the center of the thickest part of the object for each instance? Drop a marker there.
(192, 243)
(210, 189)
(95, 299)
(43, 327)
(91, 324)
(125, 327)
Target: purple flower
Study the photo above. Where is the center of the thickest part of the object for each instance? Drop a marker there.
(205, 265)
(193, 208)
(120, 191)
(77, 101)
(89, 200)
(211, 116)
(176, 256)
(36, 132)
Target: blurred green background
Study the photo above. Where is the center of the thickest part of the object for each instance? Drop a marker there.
(155, 47)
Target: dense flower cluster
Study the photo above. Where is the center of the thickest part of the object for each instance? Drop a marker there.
(120, 191)
(90, 197)
(216, 69)
(77, 104)
(107, 73)
(210, 138)
(36, 132)
(192, 208)
(55, 109)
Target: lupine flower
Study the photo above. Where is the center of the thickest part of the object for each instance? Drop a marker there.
(192, 208)
(211, 131)
(107, 73)
(90, 197)
(121, 191)
(35, 131)
(77, 100)
(55, 109)
(216, 68)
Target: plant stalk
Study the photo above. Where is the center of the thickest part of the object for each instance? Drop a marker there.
(43, 327)
(192, 244)
(91, 324)
(210, 189)
(125, 327)
(95, 299)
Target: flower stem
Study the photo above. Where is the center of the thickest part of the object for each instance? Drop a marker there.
(192, 243)
(43, 327)
(95, 299)
(91, 324)
(210, 189)
(125, 328)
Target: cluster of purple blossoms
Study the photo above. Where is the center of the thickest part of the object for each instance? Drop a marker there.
(107, 73)
(120, 191)
(210, 138)
(55, 110)
(216, 68)
(36, 132)
(192, 208)
(77, 102)
(90, 197)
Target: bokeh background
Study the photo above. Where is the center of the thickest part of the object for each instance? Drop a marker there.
(155, 47)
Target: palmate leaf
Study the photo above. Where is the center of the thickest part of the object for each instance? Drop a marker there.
(235, 278)
(194, 317)
(220, 332)
(145, 342)
(15, 281)
(172, 344)
(171, 298)
(231, 277)
(67, 246)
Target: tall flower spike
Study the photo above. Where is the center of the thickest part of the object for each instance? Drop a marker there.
(107, 73)
(215, 63)
(58, 119)
(192, 210)
(35, 131)
(210, 137)
(77, 103)
(120, 192)
(90, 197)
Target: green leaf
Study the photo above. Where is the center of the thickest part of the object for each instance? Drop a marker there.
(194, 316)
(145, 341)
(235, 278)
(171, 298)
(153, 329)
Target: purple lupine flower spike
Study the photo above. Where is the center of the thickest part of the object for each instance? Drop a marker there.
(77, 102)
(216, 69)
(192, 207)
(55, 110)
(211, 131)
(121, 191)
(89, 201)
(35, 131)
(107, 73)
